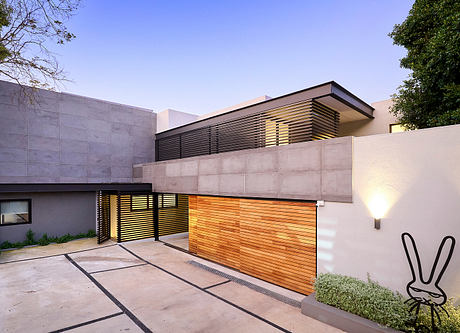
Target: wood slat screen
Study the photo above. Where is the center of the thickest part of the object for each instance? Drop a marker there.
(173, 220)
(303, 121)
(269, 239)
(103, 217)
(135, 218)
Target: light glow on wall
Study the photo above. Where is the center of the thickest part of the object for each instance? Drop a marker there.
(378, 205)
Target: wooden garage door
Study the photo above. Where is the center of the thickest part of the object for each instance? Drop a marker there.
(269, 239)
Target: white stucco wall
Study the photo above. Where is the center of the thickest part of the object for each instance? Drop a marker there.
(379, 125)
(170, 118)
(416, 178)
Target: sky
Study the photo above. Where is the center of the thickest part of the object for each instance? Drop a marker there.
(200, 56)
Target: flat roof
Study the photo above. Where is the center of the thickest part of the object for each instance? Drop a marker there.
(331, 94)
(75, 187)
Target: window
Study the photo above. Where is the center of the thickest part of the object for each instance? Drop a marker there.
(396, 128)
(167, 200)
(141, 202)
(15, 212)
(276, 133)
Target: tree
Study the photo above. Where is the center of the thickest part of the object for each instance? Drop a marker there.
(431, 95)
(28, 28)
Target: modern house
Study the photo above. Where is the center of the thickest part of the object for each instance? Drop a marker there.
(279, 188)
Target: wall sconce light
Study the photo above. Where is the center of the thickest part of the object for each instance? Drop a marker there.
(378, 206)
(377, 223)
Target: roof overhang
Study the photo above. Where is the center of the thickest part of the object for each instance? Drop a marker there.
(76, 187)
(331, 94)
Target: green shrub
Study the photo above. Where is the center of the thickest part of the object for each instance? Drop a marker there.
(449, 323)
(65, 238)
(30, 238)
(6, 245)
(368, 300)
(45, 240)
(379, 304)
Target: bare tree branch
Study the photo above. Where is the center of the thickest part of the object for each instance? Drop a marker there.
(27, 29)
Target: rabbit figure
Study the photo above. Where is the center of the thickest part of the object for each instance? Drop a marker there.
(427, 292)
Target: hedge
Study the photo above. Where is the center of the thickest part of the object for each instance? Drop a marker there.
(379, 304)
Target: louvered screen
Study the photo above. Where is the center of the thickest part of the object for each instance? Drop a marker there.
(103, 217)
(172, 214)
(325, 122)
(299, 122)
(135, 216)
(168, 148)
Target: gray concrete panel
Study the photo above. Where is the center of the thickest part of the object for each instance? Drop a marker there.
(318, 170)
(13, 155)
(44, 143)
(63, 137)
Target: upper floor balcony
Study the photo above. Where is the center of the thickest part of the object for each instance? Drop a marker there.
(311, 114)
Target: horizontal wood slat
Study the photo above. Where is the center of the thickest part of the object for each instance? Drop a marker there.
(173, 220)
(269, 239)
(134, 224)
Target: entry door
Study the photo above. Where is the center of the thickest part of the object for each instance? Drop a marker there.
(103, 217)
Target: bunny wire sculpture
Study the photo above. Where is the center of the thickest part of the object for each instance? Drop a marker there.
(427, 292)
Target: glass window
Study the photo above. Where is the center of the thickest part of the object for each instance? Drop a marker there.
(141, 202)
(166, 200)
(396, 128)
(15, 211)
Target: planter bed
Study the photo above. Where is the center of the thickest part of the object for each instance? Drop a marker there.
(343, 320)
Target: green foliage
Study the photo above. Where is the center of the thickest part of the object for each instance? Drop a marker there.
(45, 239)
(431, 95)
(449, 323)
(30, 238)
(379, 304)
(368, 300)
(5, 12)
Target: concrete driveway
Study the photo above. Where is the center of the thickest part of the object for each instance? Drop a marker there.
(141, 286)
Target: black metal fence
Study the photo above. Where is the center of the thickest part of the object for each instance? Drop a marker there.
(304, 121)
(103, 217)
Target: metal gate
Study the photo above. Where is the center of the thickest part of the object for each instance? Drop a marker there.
(103, 217)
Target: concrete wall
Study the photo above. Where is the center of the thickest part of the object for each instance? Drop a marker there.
(67, 138)
(53, 213)
(169, 118)
(379, 125)
(413, 178)
(317, 170)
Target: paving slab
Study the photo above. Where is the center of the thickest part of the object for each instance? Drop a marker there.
(47, 294)
(179, 242)
(298, 297)
(282, 314)
(174, 261)
(51, 249)
(166, 304)
(120, 323)
(105, 258)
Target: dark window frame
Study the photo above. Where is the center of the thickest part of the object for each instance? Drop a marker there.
(162, 205)
(29, 203)
(150, 205)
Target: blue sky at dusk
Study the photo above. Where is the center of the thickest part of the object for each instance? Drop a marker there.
(200, 56)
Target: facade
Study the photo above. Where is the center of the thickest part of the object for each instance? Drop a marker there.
(281, 188)
(58, 152)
